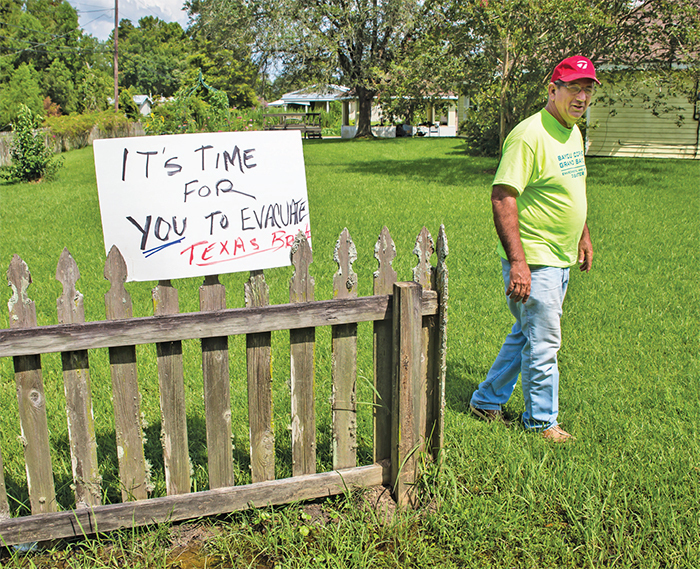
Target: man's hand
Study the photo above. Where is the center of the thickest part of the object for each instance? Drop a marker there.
(505, 217)
(585, 250)
(520, 282)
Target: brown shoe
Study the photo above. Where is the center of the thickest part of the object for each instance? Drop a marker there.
(489, 415)
(557, 435)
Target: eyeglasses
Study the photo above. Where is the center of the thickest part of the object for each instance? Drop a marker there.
(575, 88)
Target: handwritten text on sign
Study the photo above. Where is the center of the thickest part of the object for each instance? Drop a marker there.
(200, 204)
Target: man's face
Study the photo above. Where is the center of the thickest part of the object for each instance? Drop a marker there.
(569, 105)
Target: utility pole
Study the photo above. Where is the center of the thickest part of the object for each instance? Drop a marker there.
(116, 55)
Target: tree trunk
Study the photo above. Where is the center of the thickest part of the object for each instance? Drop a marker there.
(364, 112)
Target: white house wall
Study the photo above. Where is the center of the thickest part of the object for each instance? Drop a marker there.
(633, 131)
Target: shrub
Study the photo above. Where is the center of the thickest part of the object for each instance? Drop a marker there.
(481, 126)
(186, 114)
(22, 89)
(31, 159)
(77, 126)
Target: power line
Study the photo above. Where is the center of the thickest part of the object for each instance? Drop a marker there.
(35, 30)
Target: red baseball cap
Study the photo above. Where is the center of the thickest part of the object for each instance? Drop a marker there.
(575, 67)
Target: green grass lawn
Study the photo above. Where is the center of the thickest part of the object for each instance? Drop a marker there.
(626, 494)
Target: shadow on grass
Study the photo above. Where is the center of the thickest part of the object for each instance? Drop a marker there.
(455, 169)
(196, 429)
(461, 381)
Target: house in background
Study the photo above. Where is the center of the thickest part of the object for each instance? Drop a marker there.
(633, 130)
(311, 99)
(316, 98)
(437, 124)
(144, 103)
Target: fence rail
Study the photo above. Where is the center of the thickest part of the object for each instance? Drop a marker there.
(409, 353)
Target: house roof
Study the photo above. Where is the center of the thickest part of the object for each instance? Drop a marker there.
(315, 94)
(141, 99)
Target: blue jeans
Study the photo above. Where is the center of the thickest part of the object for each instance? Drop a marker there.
(530, 350)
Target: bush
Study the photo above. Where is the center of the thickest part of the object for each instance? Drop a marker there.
(481, 126)
(193, 114)
(77, 126)
(31, 159)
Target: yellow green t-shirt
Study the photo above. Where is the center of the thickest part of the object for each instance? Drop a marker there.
(543, 161)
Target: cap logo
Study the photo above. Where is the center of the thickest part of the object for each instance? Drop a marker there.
(582, 65)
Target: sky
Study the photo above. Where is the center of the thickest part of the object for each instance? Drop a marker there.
(97, 16)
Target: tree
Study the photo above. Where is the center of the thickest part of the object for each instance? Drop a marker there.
(44, 35)
(153, 56)
(505, 50)
(352, 42)
(224, 52)
(57, 83)
(22, 90)
(93, 88)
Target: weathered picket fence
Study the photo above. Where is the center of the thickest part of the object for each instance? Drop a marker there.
(409, 374)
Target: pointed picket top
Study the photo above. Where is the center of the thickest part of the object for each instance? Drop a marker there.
(70, 304)
(442, 250)
(385, 253)
(117, 299)
(345, 254)
(301, 286)
(423, 271)
(442, 240)
(441, 272)
(22, 309)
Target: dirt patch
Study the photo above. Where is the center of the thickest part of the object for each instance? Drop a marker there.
(316, 514)
(379, 500)
(187, 535)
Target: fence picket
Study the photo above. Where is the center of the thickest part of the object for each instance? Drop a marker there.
(441, 284)
(384, 279)
(217, 391)
(4, 505)
(302, 343)
(344, 360)
(424, 275)
(259, 361)
(30, 396)
(76, 384)
(125, 391)
(171, 381)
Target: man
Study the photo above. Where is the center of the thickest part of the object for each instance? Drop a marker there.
(539, 209)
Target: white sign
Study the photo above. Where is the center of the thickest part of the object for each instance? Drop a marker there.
(202, 204)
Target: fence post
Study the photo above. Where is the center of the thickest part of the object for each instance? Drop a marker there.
(441, 284)
(259, 362)
(30, 396)
(217, 391)
(76, 384)
(405, 432)
(173, 413)
(125, 389)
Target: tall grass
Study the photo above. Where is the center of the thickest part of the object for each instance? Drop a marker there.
(626, 494)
